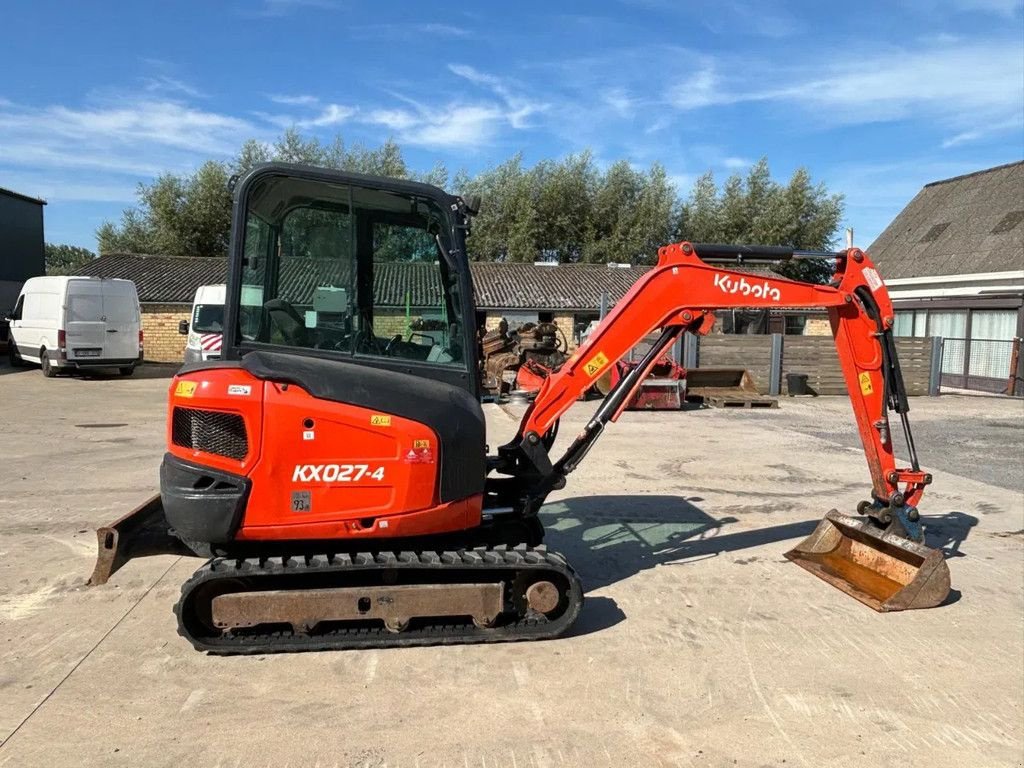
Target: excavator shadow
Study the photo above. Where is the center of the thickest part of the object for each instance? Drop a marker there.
(947, 532)
(611, 538)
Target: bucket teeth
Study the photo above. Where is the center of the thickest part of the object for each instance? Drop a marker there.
(884, 571)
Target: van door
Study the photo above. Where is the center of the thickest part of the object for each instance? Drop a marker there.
(84, 327)
(121, 310)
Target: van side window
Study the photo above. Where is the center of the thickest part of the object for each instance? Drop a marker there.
(18, 308)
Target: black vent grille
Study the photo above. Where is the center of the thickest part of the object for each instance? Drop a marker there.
(210, 431)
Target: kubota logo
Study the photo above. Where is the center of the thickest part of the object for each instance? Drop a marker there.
(335, 473)
(764, 291)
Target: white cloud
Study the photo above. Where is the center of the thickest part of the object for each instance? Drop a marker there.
(702, 88)
(984, 131)
(443, 29)
(300, 100)
(331, 115)
(620, 101)
(736, 163)
(960, 85)
(1007, 8)
(454, 125)
(519, 107)
(393, 119)
(430, 29)
(55, 189)
(275, 8)
(134, 136)
(170, 85)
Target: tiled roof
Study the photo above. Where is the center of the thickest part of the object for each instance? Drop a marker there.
(967, 224)
(563, 286)
(160, 279)
(174, 279)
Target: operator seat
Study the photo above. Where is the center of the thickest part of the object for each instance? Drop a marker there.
(287, 319)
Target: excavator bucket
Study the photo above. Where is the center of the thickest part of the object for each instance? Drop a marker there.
(883, 570)
(143, 531)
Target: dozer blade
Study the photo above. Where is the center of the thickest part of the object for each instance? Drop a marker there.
(881, 569)
(143, 531)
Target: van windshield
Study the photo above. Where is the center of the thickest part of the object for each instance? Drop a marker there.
(208, 318)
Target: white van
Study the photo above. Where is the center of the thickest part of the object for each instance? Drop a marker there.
(206, 327)
(64, 323)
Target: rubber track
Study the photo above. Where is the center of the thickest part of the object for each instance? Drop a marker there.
(516, 560)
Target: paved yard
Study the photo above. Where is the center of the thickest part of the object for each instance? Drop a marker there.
(699, 644)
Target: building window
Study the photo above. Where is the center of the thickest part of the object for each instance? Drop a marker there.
(952, 326)
(992, 332)
(795, 325)
(910, 322)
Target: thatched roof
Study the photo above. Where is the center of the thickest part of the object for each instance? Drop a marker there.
(967, 224)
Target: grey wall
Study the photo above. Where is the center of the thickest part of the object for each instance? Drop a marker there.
(21, 239)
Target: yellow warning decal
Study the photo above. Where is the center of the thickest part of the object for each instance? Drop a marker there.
(865, 384)
(595, 364)
(420, 444)
(185, 388)
(380, 420)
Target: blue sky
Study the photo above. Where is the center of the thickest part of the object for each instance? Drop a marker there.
(875, 98)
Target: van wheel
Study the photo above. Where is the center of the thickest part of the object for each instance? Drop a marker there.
(12, 355)
(127, 370)
(49, 371)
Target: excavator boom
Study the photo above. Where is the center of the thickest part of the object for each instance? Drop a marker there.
(680, 295)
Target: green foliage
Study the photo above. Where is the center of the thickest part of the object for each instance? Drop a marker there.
(177, 215)
(566, 210)
(570, 211)
(757, 209)
(65, 259)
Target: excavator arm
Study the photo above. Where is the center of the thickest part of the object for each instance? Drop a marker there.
(881, 560)
(681, 293)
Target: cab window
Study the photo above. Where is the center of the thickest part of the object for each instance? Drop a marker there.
(350, 272)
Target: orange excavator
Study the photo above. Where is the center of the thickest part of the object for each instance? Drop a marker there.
(335, 470)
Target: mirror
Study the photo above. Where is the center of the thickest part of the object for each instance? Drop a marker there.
(183, 327)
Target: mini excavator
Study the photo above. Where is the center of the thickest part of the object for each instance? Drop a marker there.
(333, 465)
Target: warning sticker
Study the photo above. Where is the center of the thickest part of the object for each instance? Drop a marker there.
(380, 420)
(595, 364)
(420, 444)
(185, 388)
(865, 384)
(873, 278)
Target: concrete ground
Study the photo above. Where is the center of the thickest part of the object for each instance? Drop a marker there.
(699, 645)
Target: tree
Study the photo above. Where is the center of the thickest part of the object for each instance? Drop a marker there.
(177, 216)
(65, 259)
(756, 209)
(566, 210)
